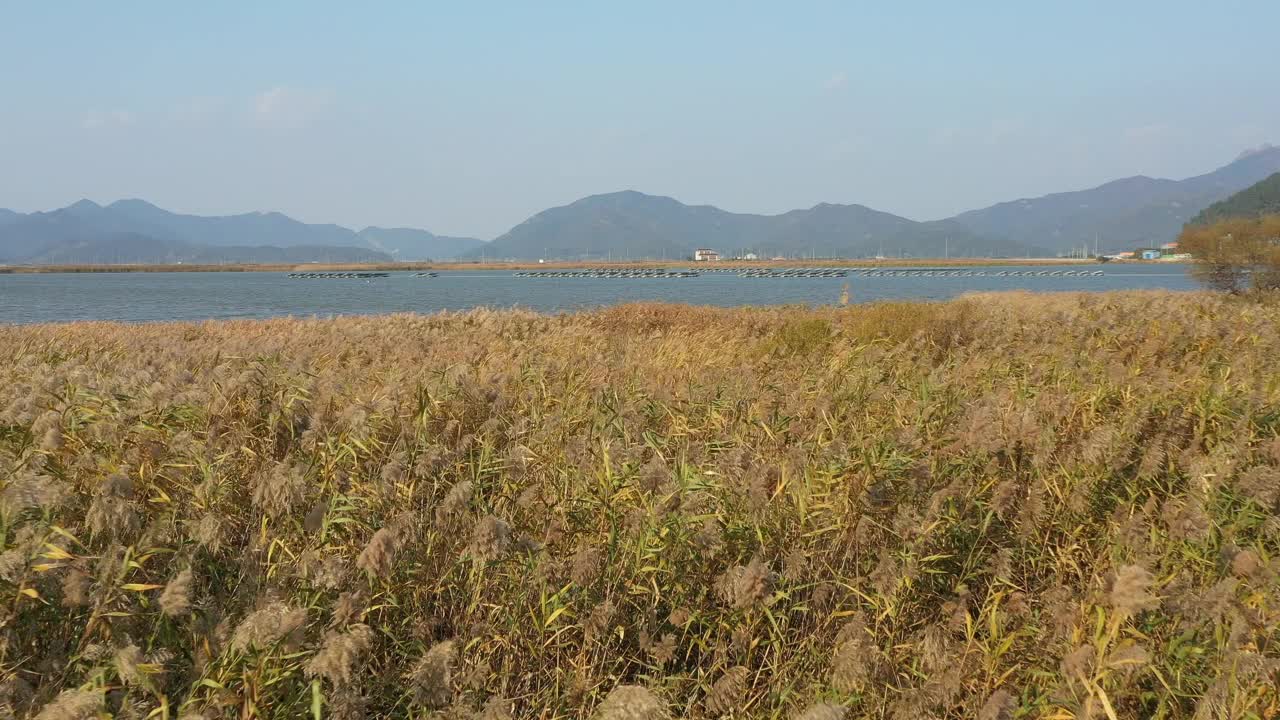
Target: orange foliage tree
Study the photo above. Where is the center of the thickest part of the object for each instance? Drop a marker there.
(1236, 254)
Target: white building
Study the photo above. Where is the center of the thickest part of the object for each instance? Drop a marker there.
(705, 255)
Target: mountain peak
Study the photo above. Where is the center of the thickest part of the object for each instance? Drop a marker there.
(625, 195)
(1263, 149)
(132, 204)
(83, 206)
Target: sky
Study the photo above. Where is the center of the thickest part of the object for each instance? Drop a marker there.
(467, 118)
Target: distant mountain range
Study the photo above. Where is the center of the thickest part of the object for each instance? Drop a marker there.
(411, 244)
(1127, 213)
(1262, 198)
(135, 231)
(1133, 212)
(632, 224)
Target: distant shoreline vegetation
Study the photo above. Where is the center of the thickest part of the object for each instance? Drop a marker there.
(524, 265)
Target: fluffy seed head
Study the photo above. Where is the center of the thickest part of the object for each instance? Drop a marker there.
(264, 627)
(75, 588)
(175, 601)
(490, 539)
(73, 705)
(339, 654)
(1246, 563)
(746, 585)
(496, 708)
(598, 623)
(631, 702)
(432, 677)
(999, 706)
(1079, 662)
(1129, 593)
(378, 556)
(208, 532)
(347, 609)
(850, 665)
(823, 711)
(584, 568)
(455, 503)
(728, 692)
(1128, 656)
(279, 490)
(1261, 484)
(31, 491)
(127, 660)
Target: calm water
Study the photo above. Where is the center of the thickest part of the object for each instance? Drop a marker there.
(198, 296)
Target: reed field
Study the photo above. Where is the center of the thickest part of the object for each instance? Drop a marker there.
(1005, 506)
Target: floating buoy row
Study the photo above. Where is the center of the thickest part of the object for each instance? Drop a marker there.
(1050, 273)
(798, 273)
(606, 274)
(614, 269)
(337, 275)
(980, 273)
(425, 274)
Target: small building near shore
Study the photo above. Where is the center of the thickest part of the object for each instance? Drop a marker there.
(1151, 254)
(705, 255)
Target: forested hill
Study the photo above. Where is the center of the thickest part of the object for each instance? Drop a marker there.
(1260, 199)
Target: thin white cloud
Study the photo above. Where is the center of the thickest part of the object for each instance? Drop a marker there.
(837, 81)
(95, 119)
(286, 107)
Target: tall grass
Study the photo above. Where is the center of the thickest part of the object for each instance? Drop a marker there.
(1006, 506)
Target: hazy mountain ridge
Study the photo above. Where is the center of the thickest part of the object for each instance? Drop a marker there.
(414, 244)
(633, 224)
(1262, 198)
(126, 248)
(1125, 213)
(136, 231)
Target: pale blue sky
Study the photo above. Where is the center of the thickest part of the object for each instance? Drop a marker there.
(465, 118)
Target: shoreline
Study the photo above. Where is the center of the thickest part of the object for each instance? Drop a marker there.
(561, 265)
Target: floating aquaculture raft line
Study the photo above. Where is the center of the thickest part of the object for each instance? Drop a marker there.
(337, 275)
(978, 273)
(796, 273)
(606, 274)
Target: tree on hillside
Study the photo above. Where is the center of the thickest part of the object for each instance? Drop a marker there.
(1235, 254)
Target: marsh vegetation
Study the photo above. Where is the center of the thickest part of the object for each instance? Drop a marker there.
(1005, 506)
